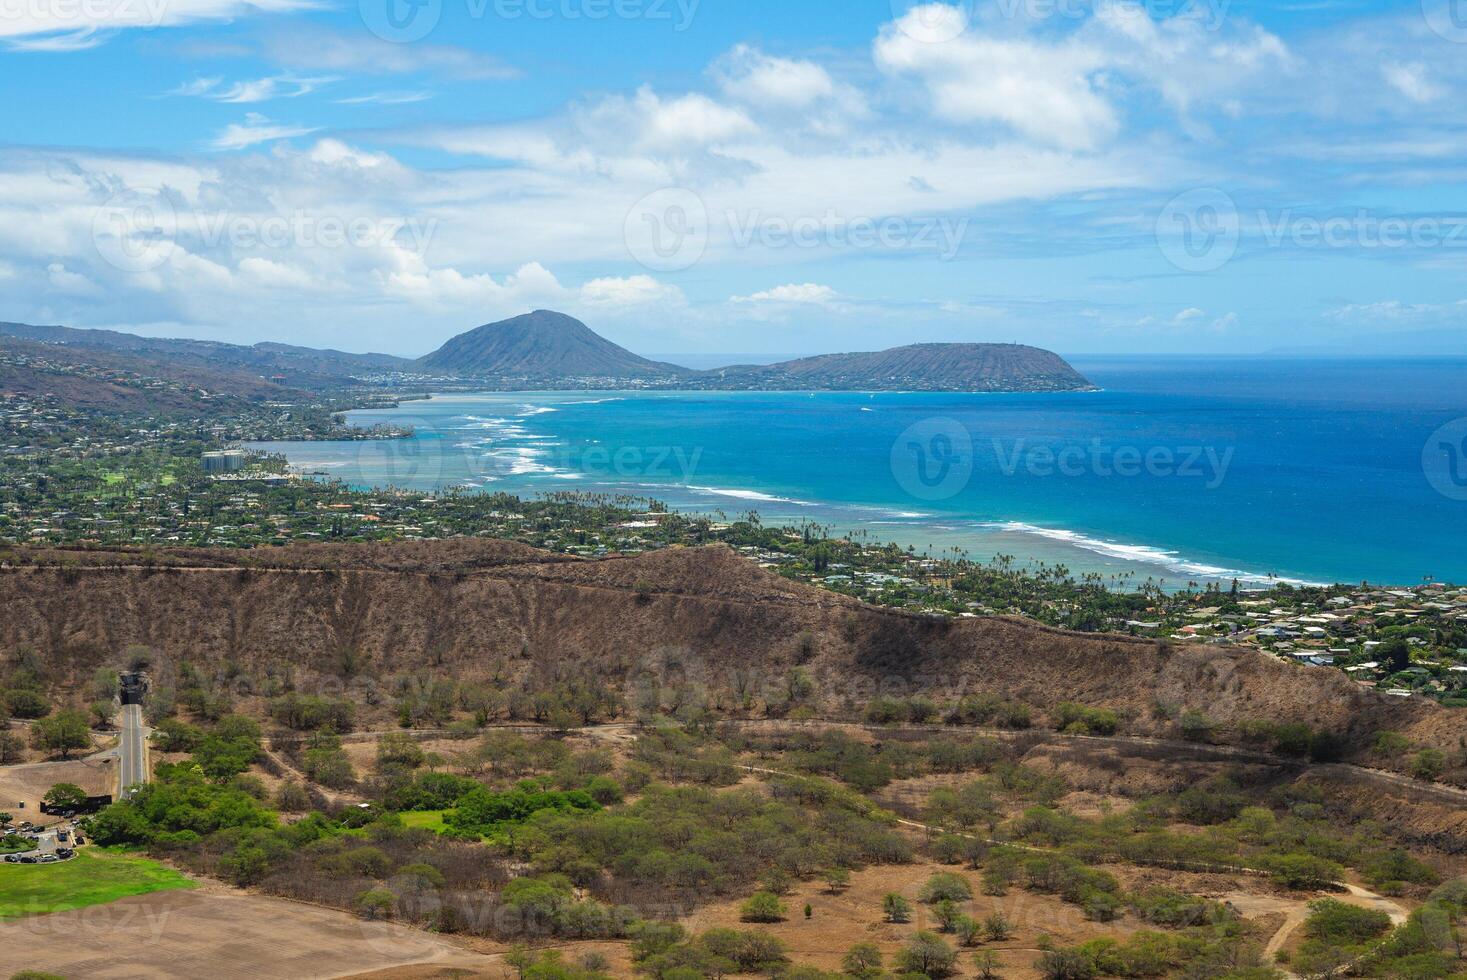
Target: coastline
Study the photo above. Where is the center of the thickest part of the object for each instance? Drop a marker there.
(502, 451)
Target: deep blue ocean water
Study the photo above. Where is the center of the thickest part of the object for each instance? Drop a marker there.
(1181, 469)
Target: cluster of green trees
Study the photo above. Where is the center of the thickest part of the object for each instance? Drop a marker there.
(695, 841)
(308, 713)
(180, 808)
(664, 951)
(1287, 833)
(1220, 950)
(480, 813)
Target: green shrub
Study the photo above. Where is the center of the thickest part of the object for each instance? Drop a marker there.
(1334, 921)
(896, 908)
(1078, 719)
(376, 903)
(945, 887)
(1428, 765)
(762, 907)
(928, 954)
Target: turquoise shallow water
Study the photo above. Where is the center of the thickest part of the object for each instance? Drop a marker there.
(1179, 470)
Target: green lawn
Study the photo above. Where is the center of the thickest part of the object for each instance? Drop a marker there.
(90, 878)
(426, 819)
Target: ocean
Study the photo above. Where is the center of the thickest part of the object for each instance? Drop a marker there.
(1180, 470)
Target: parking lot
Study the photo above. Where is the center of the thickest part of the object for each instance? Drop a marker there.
(55, 842)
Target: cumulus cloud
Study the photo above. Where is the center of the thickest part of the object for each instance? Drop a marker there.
(747, 74)
(1044, 91)
(639, 290)
(808, 292)
(1063, 90)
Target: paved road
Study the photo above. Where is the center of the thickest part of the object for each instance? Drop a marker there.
(132, 749)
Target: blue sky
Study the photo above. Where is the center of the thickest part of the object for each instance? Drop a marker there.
(754, 176)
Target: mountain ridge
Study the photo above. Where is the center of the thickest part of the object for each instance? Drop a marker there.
(545, 345)
(547, 349)
(542, 343)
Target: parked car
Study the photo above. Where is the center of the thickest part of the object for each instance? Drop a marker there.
(64, 852)
(48, 859)
(29, 859)
(12, 859)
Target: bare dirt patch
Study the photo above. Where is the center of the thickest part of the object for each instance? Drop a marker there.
(27, 784)
(218, 934)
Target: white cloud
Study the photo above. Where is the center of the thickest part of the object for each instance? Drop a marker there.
(529, 286)
(688, 119)
(335, 153)
(1184, 316)
(809, 292)
(630, 291)
(1412, 81)
(73, 26)
(63, 280)
(748, 75)
(253, 90)
(276, 275)
(386, 98)
(256, 129)
(1397, 311)
(1064, 89)
(1044, 91)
